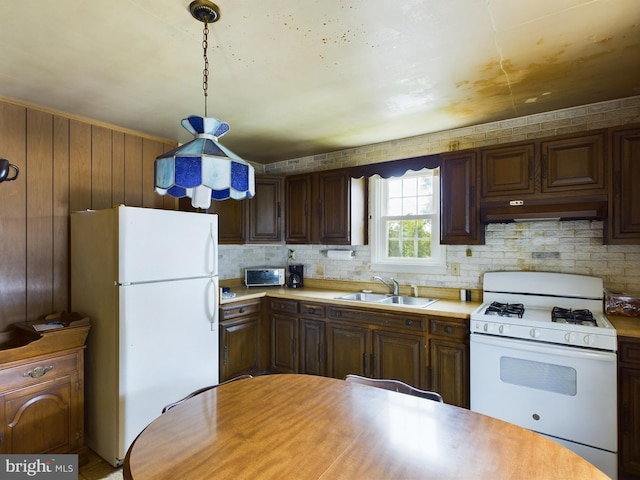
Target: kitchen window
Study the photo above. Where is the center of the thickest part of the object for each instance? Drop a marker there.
(406, 223)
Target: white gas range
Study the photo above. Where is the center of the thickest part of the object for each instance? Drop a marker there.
(543, 357)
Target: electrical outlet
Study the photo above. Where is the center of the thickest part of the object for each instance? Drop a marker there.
(455, 269)
(292, 254)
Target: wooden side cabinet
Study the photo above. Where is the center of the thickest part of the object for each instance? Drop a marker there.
(42, 404)
(449, 357)
(240, 339)
(629, 405)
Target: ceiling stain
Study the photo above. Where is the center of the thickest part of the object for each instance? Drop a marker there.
(300, 78)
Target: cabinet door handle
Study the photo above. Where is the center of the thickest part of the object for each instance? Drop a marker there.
(226, 355)
(530, 168)
(293, 347)
(448, 329)
(365, 363)
(375, 365)
(38, 371)
(320, 359)
(241, 310)
(544, 165)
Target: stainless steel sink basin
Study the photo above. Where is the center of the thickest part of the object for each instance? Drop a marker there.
(364, 297)
(410, 301)
(388, 299)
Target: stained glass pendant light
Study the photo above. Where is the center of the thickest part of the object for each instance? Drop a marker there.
(203, 169)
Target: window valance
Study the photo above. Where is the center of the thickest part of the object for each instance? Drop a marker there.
(395, 168)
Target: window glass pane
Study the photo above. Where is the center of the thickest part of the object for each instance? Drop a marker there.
(394, 249)
(409, 206)
(394, 207)
(410, 187)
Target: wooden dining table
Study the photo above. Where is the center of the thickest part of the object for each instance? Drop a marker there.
(308, 427)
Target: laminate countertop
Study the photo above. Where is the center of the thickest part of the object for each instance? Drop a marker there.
(443, 307)
(625, 326)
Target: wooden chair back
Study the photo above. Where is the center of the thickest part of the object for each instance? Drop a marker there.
(394, 385)
(200, 390)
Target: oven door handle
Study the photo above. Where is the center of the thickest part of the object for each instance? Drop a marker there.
(538, 347)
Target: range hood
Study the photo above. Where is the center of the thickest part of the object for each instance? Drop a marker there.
(562, 210)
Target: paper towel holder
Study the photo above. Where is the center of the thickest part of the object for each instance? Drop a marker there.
(340, 254)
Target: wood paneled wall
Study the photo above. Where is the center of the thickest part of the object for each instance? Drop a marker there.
(65, 165)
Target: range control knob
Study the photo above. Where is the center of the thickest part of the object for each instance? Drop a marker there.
(485, 327)
(503, 329)
(589, 339)
(534, 333)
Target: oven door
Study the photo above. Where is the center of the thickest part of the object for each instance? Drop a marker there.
(565, 392)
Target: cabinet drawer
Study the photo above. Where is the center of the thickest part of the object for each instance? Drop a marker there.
(370, 317)
(36, 371)
(228, 312)
(629, 352)
(449, 328)
(284, 306)
(312, 310)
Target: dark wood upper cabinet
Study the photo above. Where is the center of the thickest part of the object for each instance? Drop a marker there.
(231, 220)
(298, 208)
(265, 211)
(562, 166)
(255, 220)
(574, 164)
(508, 170)
(459, 219)
(325, 208)
(623, 224)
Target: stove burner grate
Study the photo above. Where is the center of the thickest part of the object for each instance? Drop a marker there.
(505, 309)
(576, 317)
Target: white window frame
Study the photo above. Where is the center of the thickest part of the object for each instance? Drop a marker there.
(379, 260)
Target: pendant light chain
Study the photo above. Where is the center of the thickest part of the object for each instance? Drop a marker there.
(205, 72)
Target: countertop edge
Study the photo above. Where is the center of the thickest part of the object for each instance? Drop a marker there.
(445, 308)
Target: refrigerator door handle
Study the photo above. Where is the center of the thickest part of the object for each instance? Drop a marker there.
(213, 295)
(213, 235)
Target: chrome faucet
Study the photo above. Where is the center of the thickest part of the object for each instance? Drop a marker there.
(395, 288)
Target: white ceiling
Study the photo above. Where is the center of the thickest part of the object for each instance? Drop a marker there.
(296, 78)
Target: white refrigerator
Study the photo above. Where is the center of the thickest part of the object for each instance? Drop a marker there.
(148, 280)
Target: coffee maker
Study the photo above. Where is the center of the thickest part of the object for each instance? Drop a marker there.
(296, 276)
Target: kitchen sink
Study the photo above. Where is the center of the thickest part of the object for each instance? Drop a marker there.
(364, 297)
(388, 299)
(410, 301)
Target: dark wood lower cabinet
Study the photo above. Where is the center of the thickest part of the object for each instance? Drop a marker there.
(449, 357)
(312, 345)
(334, 341)
(240, 339)
(400, 356)
(629, 407)
(284, 343)
(348, 350)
